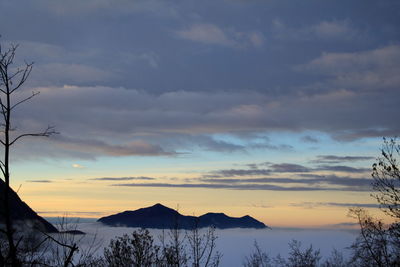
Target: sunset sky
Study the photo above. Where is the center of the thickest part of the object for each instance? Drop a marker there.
(271, 108)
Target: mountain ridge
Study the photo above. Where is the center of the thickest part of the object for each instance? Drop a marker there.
(21, 213)
(161, 217)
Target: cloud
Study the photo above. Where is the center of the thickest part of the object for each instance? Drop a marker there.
(206, 33)
(344, 225)
(239, 181)
(335, 204)
(77, 166)
(282, 147)
(61, 73)
(135, 148)
(205, 142)
(339, 159)
(256, 38)
(237, 172)
(325, 30)
(288, 167)
(262, 187)
(360, 205)
(212, 34)
(153, 124)
(92, 8)
(261, 205)
(282, 168)
(366, 70)
(311, 180)
(339, 180)
(72, 213)
(334, 30)
(39, 181)
(91, 119)
(299, 174)
(122, 178)
(309, 139)
(341, 168)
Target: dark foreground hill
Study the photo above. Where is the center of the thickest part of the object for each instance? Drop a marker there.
(22, 214)
(161, 217)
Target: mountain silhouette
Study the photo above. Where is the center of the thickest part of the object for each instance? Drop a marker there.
(161, 217)
(21, 213)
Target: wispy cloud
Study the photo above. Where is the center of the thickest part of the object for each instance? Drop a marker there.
(313, 183)
(342, 30)
(72, 213)
(339, 159)
(288, 167)
(341, 168)
(39, 181)
(309, 139)
(335, 204)
(312, 180)
(334, 30)
(122, 178)
(77, 166)
(233, 187)
(135, 148)
(364, 70)
(237, 172)
(213, 34)
(255, 170)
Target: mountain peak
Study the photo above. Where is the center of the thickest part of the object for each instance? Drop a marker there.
(159, 207)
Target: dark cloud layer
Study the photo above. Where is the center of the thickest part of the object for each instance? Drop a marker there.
(133, 78)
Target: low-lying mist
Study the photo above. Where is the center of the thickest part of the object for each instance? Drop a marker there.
(236, 244)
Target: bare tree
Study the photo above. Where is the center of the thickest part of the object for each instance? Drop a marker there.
(257, 258)
(386, 176)
(11, 80)
(202, 247)
(336, 259)
(302, 258)
(173, 244)
(377, 244)
(136, 250)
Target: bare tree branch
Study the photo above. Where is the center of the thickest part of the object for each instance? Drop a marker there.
(24, 100)
(25, 74)
(49, 131)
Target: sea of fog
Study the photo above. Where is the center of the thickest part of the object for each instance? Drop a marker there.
(236, 244)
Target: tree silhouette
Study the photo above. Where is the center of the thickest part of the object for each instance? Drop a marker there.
(386, 176)
(11, 80)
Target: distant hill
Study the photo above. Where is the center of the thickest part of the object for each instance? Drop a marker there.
(22, 214)
(161, 217)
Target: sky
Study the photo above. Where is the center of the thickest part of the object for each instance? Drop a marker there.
(275, 109)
